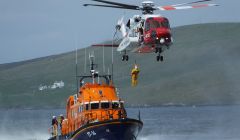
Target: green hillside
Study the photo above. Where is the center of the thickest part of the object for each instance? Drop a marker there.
(201, 68)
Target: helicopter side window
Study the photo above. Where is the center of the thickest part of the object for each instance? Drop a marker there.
(147, 26)
(128, 24)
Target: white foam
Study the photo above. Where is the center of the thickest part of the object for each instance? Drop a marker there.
(24, 136)
(186, 137)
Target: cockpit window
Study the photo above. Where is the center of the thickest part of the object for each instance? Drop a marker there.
(155, 23)
(165, 23)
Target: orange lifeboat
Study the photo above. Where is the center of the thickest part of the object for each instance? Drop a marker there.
(97, 113)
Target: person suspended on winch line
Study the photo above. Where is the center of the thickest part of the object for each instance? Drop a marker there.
(134, 74)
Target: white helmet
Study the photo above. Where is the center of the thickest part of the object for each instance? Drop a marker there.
(135, 66)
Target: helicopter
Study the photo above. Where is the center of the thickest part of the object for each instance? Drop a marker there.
(148, 32)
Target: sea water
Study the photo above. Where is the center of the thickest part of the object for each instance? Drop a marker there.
(160, 123)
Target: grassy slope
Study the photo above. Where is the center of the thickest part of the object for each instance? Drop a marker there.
(202, 67)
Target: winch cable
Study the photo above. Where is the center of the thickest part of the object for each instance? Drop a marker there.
(112, 51)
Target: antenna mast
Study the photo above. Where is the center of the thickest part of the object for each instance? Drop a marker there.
(93, 72)
(76, 70)
(85, 61)
(103, 60)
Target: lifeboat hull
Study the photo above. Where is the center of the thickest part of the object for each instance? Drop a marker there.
(123, 129)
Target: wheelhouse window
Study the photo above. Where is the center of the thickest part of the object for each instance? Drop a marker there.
(105, 105)
(86, 106)
(115, 105)
(94, 105)
(122, 105)
(72, 113)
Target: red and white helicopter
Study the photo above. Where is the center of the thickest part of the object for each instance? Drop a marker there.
(147, 32)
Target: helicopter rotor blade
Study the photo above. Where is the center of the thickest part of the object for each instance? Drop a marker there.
(104, 45)
(117, 4)
(164, 8)
(110, 6)
(200, 1)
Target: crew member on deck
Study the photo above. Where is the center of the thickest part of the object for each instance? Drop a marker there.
(61, 118)
(55, 126)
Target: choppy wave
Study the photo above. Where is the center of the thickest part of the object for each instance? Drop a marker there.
(24, 136)
(187, 137)
(168, 123)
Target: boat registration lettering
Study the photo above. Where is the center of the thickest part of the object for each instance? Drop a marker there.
(91, 133)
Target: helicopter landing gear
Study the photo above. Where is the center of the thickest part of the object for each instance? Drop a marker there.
(125, 56)
(159, 56)
(158, 50)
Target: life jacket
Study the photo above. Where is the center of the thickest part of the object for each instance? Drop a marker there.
(134, 74)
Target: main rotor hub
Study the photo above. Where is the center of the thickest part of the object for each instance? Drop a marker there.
(148, 7)
(148, 4)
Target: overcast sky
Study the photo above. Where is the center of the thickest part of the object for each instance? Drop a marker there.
(35, 28)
